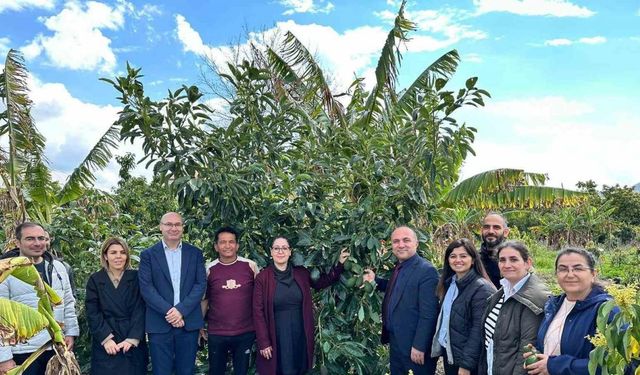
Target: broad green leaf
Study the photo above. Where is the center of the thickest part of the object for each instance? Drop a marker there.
(19, 322)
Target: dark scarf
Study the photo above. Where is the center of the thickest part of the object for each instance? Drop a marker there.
(286, 276)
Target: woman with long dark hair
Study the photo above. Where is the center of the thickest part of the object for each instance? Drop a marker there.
(463, 291)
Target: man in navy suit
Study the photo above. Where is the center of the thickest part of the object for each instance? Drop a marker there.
(410, 306)
(172, 283)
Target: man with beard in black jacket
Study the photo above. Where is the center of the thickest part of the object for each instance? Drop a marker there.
(494, 231)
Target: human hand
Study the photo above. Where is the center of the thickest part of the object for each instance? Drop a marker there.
(463, 371)
(69, 341)
(125, 346)
(540, 367)
(173, 316)
(7, 365)
(344, 255)
(417, 356)
(204, 335)
(266, 352)
(111, 347)
(178, 324)
(369, 275)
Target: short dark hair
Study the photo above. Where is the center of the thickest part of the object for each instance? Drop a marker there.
(23, 226)
(496, 213)
(226, 229)
(447, 272)
(591, 260)
(517, 246)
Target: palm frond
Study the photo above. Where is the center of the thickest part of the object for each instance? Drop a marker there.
(297, 58)
(97, 159)
(38, 192)
(444, 67)
(509, 188)
(387, 68)
(26, 144)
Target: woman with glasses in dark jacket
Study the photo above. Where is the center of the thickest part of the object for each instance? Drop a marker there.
(570, 317)
(463, 291)
(283, 312)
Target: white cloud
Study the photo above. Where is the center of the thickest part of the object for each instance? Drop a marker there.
(344, 54)
(567, 42)
(558, 42)
(78, 42)
(593, 40)
(149, 11)
(554, 8)
(568, 139)
(444, 26)
(71, 127)
(18, 5)
(305, 6)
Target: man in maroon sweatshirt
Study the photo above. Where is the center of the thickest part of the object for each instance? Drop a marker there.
(228, 305)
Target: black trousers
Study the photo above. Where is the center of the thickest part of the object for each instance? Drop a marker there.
(240, 348)
(38, 366)
(453, 369)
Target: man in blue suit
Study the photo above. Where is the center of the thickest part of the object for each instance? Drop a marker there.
(172, 283)
(410, 306)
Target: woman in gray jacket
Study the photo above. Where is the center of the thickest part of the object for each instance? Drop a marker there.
(513, 314)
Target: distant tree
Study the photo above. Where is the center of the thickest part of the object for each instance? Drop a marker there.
(626, 203)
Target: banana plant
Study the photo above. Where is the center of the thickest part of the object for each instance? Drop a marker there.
(27, 190)
(19, 322)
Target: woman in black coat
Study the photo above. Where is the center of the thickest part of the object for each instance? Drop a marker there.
(115, 311)
(463, 291)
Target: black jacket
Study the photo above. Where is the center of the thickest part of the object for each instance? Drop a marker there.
(465, 322)
(120, 312)
(490, 264)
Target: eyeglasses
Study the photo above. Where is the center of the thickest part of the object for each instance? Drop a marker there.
(562, 270)
(280, 249)
(172, 225)
(33, 239)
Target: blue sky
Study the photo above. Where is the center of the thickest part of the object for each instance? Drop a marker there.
(562, 73)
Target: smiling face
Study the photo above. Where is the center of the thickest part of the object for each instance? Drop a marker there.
(227, 247)
(512, 266)
(460, 261)
(575, 276)
(171, 228)
(116, 257)
(280, 251)
(32, 243)
(494, 230)
(404, 243)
